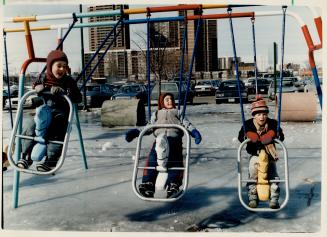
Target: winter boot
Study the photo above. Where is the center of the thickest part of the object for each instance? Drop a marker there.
(172, 190)
(274, 204)
(147, 189)
(25, 162)
(46, 165)
(274, 196)
(253, 196)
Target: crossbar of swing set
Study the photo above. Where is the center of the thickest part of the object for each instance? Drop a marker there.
(135, 21)
(121, 12)
(303, 26)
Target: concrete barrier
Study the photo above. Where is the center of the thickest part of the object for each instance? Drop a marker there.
(123, 113)
(299, 107)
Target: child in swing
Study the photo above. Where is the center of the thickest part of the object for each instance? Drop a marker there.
(50, 122)
(166, 114)
(261, 130)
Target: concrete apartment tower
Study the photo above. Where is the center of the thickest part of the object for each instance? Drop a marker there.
(115, 62)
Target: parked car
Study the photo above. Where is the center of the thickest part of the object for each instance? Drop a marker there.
(5, 94)
(96, 94)
(300, 84)
(206, 87)
(228, 92)
(289, 85)
(14, 102)
(131, 91)
(173, 88)
(263, 86)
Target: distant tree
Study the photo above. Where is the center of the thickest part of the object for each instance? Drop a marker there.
(161, 58)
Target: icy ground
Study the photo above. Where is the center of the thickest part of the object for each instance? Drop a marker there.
(101, 198)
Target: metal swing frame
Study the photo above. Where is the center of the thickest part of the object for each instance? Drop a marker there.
(148, 127)
(240, 180)
(14, 136)
(185, 168)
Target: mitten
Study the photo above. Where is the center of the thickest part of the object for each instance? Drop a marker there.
(57, 90)
(253, 136)
(39, 88)
(131, 134)
(268, 137)
(196, 135)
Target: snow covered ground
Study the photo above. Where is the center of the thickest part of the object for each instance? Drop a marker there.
(101, 198)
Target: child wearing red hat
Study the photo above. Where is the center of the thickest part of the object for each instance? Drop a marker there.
(261, 130)
(58, 82)
(166, 114)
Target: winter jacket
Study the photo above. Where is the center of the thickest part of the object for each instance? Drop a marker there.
(254, 148)
(67, 83)
(169, 116)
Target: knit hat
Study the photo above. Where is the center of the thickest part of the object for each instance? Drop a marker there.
(53, 56)
(161, 104)
(259, 106)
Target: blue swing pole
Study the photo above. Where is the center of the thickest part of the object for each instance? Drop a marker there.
(255, 57)
(148, 62)
(236, 68)
(281, 71)
(96, 53)
(191, 66)
(99, 60)
(81, 144)
(181, 69)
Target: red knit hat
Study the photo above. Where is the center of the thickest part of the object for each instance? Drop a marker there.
(259, 106)
(161, 104)
(53, 56)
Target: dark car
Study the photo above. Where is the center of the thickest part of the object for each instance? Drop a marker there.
(173, 88)
(96, 94)
(131, 91)
(228, 92)
(263, 86)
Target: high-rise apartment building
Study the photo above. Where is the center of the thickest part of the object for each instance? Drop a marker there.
(206, 58)
(164, 34)
(97, 34)
(120, 45)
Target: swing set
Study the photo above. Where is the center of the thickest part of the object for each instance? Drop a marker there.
(16, 135)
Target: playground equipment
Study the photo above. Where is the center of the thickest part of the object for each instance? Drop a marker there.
(122, 21)
(19, 119)
(262, 183)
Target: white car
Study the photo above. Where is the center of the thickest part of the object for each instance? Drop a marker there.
(14, 102)
(206, 87)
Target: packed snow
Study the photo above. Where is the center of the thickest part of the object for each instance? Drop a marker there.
(101, 197)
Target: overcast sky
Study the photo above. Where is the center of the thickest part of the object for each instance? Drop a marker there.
(268, 30)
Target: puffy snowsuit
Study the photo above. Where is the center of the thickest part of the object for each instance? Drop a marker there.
(174, 137)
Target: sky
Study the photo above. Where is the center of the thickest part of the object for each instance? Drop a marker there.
(268, 30)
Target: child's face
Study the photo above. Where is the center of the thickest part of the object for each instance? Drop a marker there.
(59, 69)
(261, 118)
(168, 102)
